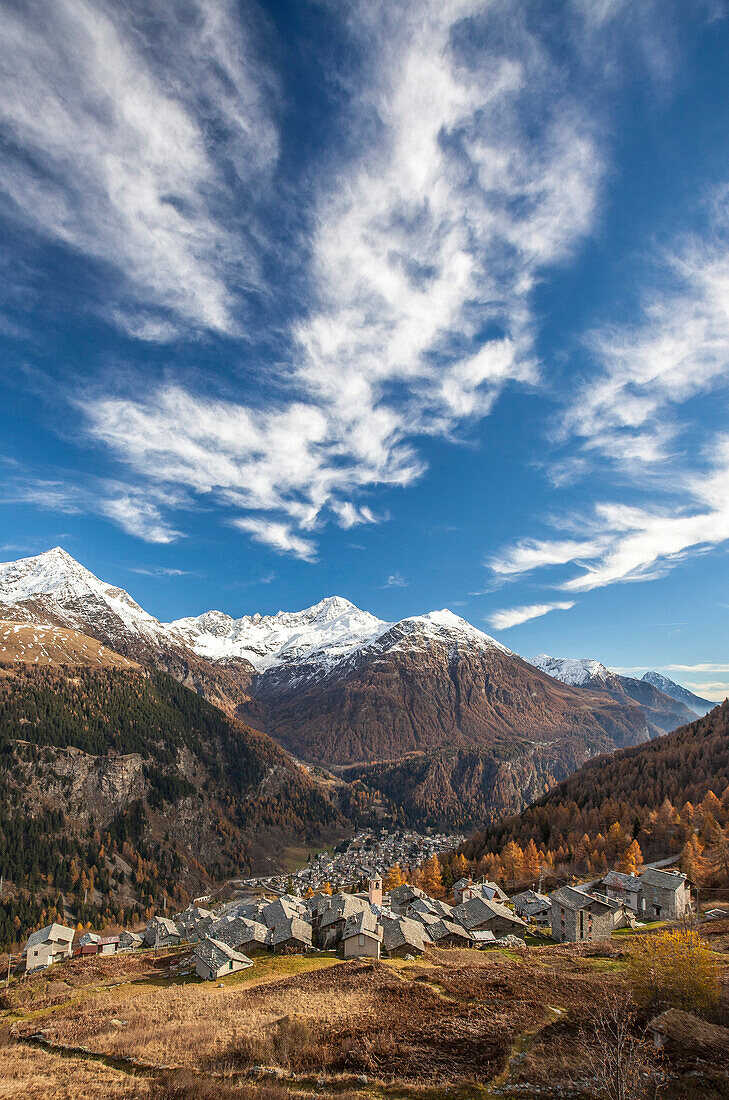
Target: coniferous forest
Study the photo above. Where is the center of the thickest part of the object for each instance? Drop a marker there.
(121, 787)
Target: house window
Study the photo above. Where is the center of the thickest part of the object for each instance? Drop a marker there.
(582, 926)
(230, 965)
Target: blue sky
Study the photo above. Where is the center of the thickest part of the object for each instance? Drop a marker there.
(422, 303)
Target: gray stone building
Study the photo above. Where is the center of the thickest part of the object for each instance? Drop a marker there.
(666, 894)
(578, 917)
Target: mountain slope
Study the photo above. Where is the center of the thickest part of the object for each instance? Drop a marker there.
(53, 589)
(338, 686)
(651, 792)
(176, 793)
(432, 683)
(681, 694)
(662, 711)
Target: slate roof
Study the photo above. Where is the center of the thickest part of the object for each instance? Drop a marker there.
(402, 932)
(52, 933)
(241, 930)
(215, 953)
(618, 881)
(461, 884)
(406, 892)
(193, 914)
(278, 911)
(477, 911)
(294, 928)
(444, 928)
(664, 880)
(570, 898)
(531, 902)
(130, 939)
(364, 923)
(345, 906)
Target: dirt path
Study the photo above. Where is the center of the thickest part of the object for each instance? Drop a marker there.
(499, 1086)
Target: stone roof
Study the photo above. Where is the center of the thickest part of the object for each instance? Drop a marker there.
(462, 882)
(215, 953)
(280, 910)
(192, 915)
(478, 910)
(345, 906)
(664, 880)
(444, 928)
(570, 898)
(52, 933)
(619, 881)
(402, 932)
(294, 928)
(362, 924)
(406, 892)
(240, 930)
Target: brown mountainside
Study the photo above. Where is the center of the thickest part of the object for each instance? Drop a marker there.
(671, 796)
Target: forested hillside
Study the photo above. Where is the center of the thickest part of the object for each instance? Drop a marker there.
(119, 787)
(668, 796)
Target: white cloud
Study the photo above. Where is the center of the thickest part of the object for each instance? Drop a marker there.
(137, 513)
(532, 554)
(126, 128)
(514, 616)
(138, 516)
(679, 348)
(159, 571)
(713, 690)
(475, 173)
(697, 668)
(395, 580)
(279, 536)
(348, 515)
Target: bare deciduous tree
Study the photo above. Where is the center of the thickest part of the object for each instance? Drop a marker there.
(621, 1063)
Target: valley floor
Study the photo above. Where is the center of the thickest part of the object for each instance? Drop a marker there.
(508, 1023)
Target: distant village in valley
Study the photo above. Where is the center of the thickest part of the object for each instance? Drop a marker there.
(380, 896)
(357, 860)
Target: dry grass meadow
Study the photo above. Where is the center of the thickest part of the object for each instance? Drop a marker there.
(465, 1023)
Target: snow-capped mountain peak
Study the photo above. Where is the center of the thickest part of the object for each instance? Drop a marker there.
(680, 694)
(571, 670)
(330, 628)
(55, 582)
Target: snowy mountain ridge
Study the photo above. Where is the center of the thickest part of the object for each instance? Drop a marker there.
(680, 694)
(54, 586)
(576, 671)
(330, 631)
(59, 583)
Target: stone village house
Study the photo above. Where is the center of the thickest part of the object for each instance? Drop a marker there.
(578, 917)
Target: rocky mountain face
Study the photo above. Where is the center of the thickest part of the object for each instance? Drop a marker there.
(431, 683)
(336, 686)
(159, 774)
(663, 712)
(681, 694)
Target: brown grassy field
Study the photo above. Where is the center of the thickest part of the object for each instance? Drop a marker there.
(473, 1023)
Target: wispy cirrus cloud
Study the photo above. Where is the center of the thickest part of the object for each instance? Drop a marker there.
(137, 513)
(633, 414)
(515, 616)
(679, 347)
(634, 542)
(469, 182)
(130, 129)
(279, 536)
